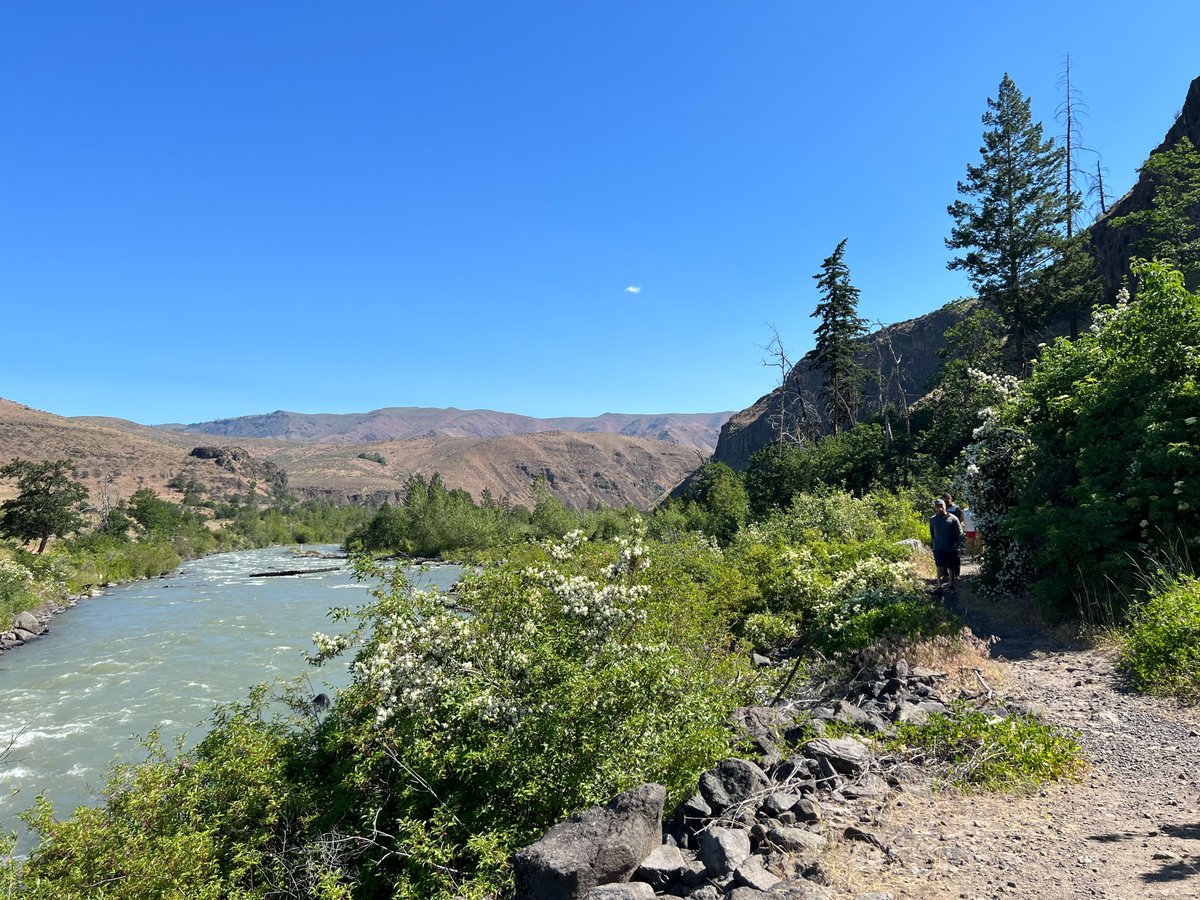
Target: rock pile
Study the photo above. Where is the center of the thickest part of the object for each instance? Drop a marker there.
(755, 827)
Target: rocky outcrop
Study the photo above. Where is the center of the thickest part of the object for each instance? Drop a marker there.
(902, 359)
(1112, 246)
(597, 846)
(270, 477)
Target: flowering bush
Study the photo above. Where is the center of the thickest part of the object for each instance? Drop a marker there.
(556, 680)
(1095, 460)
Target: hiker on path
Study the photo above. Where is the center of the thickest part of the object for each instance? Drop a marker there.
(953, 508)
(968, 523)
(945, 534)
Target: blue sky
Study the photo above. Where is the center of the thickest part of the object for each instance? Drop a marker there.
(221, 208)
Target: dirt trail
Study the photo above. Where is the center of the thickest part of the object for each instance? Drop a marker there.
(1130, 829)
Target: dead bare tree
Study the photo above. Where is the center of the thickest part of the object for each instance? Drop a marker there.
(891, 380)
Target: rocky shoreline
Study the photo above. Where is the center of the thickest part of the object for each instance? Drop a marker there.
(32, 624)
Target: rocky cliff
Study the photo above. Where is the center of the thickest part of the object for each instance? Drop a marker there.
(902, 359)
(1110, 245)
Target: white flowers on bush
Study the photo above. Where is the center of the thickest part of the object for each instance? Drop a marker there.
(424, 658)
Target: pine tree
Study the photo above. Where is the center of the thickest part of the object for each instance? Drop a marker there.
(1012, 214)
(839, 326)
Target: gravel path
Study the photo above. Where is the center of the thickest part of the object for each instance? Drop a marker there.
(1129, 829)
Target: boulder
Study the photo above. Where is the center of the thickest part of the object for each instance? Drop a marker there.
(23, 635)
(634, 890)
(795, 840)
(763, 727)
(723, 849)
(844, 755)
(664, 865)
(732, 781)
(29, 622)
(753, 873)
(598, 846)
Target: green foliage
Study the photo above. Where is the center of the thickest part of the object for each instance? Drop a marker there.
(857, 460)
(837, 330)
(373, 457)
(1097, 456)
(1011, 214)
(966, 383)
(996, 752)
(1170, 228)
(214, 823)
(824, 570)
(47, 504)
(1161, 646)
(715, 502)
(567, 683)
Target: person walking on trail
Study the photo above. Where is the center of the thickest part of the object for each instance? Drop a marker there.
(945, 534)
(953, 508)
(968, 524)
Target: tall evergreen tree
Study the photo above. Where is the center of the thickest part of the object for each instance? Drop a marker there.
(1011, 213)
(836, 332)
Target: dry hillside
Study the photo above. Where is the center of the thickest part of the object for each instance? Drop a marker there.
(119, 457)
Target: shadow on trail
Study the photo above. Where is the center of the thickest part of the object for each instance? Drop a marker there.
(1018, 630)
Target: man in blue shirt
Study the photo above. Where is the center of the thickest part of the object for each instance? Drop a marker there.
(945, 534)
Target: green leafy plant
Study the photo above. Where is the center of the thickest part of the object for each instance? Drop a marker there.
(991, 751)
(1160, 648)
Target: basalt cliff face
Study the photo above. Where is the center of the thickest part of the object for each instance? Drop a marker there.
(1111, 245)
(902, 359)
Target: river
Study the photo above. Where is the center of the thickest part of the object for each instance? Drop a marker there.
(160, 654)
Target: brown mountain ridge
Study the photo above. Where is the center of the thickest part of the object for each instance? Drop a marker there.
(115, 457)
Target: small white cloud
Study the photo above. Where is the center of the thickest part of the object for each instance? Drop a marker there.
(634, 289)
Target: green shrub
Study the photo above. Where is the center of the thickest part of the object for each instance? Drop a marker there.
(997, 752)
(1161, 646)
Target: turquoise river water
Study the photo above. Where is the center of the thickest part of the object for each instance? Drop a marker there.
(160, 654)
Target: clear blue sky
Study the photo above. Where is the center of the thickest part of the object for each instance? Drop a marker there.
(220, 207)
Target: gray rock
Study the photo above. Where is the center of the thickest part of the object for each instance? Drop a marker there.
(763, 727)
(845, 755)
(705, 892)
(601, 845)
(664, 865)
(29, 622)
(918, 713)
(868, 787)
(759, 661)
(796, 768)
(808, 810)
(795, 840)
(732, 781)
(634, 890)
(778, 803)
(801, 889)
(753, 873)
(723, 849)
(901, 669)
(875, 895)
(24, 635)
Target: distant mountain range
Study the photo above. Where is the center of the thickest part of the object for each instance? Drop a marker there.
(115, 457)
(696, 430)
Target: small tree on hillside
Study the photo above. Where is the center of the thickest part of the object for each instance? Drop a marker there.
(48, 502)
(1011, 215)
(839, 327)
